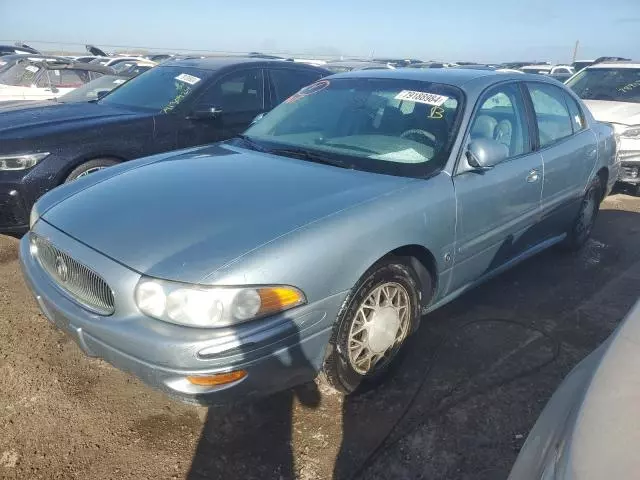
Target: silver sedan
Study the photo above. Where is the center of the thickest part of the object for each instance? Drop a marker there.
(317, 240)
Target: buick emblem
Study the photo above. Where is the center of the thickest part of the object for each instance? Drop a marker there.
(62, 269)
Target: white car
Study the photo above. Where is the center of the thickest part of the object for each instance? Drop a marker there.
(559, 72)
(43, 80)
(612, 92)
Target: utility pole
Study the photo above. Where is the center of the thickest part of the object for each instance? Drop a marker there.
(575, 51)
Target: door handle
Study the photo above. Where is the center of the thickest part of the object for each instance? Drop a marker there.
(533, 176)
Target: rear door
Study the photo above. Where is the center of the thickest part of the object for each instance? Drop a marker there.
(568, 152)
(497, 209)
(238, 97)
(284, 82)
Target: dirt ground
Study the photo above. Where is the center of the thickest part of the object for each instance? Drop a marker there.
(475, 378)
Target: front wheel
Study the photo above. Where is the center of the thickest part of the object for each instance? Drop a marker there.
(373, 325)
(582, 226)
(90, 167)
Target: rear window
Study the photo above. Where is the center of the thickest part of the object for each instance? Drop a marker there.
(613, 84)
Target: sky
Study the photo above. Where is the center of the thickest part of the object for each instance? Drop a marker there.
(446, 30)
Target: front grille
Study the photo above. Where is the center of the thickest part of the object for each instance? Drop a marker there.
(82, 283)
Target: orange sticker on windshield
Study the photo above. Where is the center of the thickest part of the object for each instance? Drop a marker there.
(308, 90)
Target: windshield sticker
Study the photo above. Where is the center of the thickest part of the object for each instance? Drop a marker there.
(629, 86)
(308, 90)
(119, 81)
(31, 68)
(422, 97)
(436, 113)
(186, 78)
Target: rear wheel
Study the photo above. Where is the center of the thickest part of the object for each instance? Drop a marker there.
(582, 226)
(90, 167)
(373, 325)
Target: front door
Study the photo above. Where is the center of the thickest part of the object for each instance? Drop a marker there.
(497, 208)
(237, 97)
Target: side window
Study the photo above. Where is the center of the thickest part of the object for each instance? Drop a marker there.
(65, 78)
(552, 116)
(236, 92)
(577, 117)
(501, 117)
(286, 82)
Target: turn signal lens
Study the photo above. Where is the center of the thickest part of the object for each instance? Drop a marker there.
(277, 299)
(217, 379)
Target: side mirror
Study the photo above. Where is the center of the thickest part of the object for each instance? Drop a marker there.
(257, 118)
(484, 153)
(205, 114)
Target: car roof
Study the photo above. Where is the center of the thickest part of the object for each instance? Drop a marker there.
(216, 63)
(621, 64)
(450, 76)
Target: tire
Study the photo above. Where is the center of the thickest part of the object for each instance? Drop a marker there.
(345, 369)
(582, 226)
(89, 167)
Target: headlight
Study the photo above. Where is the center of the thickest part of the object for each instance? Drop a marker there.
(631, 132)
(209, 307)
(34, 216)
(21, 162)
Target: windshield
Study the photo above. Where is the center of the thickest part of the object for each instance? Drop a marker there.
(390, 126)
(21, 74)
(160, 89)
(613, 84)
(89, 91)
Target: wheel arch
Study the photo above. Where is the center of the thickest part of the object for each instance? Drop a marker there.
(84, 159)
(424, 263)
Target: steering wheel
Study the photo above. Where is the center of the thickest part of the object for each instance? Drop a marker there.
(422, 135)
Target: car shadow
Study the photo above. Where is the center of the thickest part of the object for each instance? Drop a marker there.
(252, 438)
(471, 384)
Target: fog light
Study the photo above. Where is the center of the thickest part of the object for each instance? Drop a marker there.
(217, 379)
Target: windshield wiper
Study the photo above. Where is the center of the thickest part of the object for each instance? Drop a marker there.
(252, 144)
(311, 156)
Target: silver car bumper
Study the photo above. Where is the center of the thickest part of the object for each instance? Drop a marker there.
(276, 353)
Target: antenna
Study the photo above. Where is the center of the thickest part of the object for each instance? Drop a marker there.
(575, 51)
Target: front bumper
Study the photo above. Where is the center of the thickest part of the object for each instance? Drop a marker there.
(630, 172)
(14, 213)
(277, 353)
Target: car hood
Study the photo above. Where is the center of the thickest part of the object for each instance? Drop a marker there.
(614, 112)
(185, 216)
(55, 117)
(20, 104)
